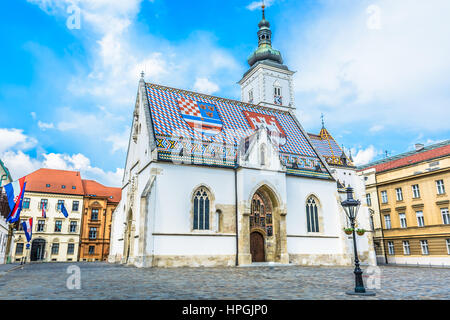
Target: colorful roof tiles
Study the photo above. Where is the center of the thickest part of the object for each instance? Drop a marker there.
(176, 139)
(329, 149)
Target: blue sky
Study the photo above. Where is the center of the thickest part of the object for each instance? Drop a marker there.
(378, 71)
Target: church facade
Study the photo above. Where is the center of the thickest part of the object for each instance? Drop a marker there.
(217, 182)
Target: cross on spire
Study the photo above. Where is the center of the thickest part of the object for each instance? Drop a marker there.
(263, 7)
(323, 123)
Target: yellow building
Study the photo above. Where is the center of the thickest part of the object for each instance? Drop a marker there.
(409, 197)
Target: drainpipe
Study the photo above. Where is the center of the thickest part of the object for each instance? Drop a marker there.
(236, 213)
(381, 225)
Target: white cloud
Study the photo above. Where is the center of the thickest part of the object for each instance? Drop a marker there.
(257, 4)
(15, 139)
(395, 69)
(203, 85)
(364, 156)
(119, 141)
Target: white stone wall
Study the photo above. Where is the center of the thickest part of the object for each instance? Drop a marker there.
(262, 81)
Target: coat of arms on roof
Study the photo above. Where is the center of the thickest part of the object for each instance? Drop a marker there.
(200, 116)
(258, 120)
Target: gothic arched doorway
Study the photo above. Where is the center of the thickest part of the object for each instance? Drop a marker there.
(261, 228)
(37, 250)
(257, 247)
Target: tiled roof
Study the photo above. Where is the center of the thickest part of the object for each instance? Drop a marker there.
(409, 158)
(55, 181)
(328, 148)
(93, 188)
(176, 140)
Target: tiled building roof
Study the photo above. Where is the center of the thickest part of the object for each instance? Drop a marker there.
(93, 188)
(329, 149)
(409, 158)
(177, 139)
(55, 181)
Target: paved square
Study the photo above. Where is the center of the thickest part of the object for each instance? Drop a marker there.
(110, 281)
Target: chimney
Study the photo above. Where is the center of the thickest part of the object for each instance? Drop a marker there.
(419, 146)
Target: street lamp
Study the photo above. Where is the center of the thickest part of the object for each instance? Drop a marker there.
(351, 207)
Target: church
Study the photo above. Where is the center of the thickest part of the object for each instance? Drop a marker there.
(211, 181)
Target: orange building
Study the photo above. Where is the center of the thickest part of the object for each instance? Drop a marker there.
(99, 204)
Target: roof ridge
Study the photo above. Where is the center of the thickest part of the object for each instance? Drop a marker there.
(406, 154)
(215, 98)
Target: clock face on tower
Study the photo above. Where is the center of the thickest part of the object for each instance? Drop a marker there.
(278, 100)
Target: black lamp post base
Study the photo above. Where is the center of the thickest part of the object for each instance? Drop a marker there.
(367, 293)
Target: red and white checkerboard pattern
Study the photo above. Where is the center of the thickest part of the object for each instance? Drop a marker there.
(188, 107)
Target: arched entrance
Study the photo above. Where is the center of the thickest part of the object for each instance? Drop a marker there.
(257, 247)
(261, 227)
(37, 250)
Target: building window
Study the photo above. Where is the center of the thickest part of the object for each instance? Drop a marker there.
(75, 205)
(94, 214)
(41, 226)
(390, 247)
(93, 233)
(387, 221)
(445, 216)
(420, 219)
(368, 200)
(73, 226)
(312, 215)
(60, 204)
(384, 197)
(406, 250)
(63, 186)
(26, 203)
(44, 203)
(440, 187)
(55, 248)
(19, 248)
(424, 246)
(447, 241)
(58, 225)
(70, 248)
(250, 96)
(91, 250)
(399, 194)
(201, 209)
(416, 191)
(372, 225)
(402, 217)
(277, 95)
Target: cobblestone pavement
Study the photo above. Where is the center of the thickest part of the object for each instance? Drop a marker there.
(111, 281)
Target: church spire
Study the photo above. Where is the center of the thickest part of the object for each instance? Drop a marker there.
(265, 50)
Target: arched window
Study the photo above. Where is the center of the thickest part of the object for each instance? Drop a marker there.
(201, 209)
(312, 215)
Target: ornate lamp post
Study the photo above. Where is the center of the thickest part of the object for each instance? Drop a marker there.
(351, 207)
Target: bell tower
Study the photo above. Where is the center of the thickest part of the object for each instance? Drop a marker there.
(268, 82)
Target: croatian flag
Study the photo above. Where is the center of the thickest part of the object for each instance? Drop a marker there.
(14, 192)
(44, 214)
(28, 228)
(64, 211)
